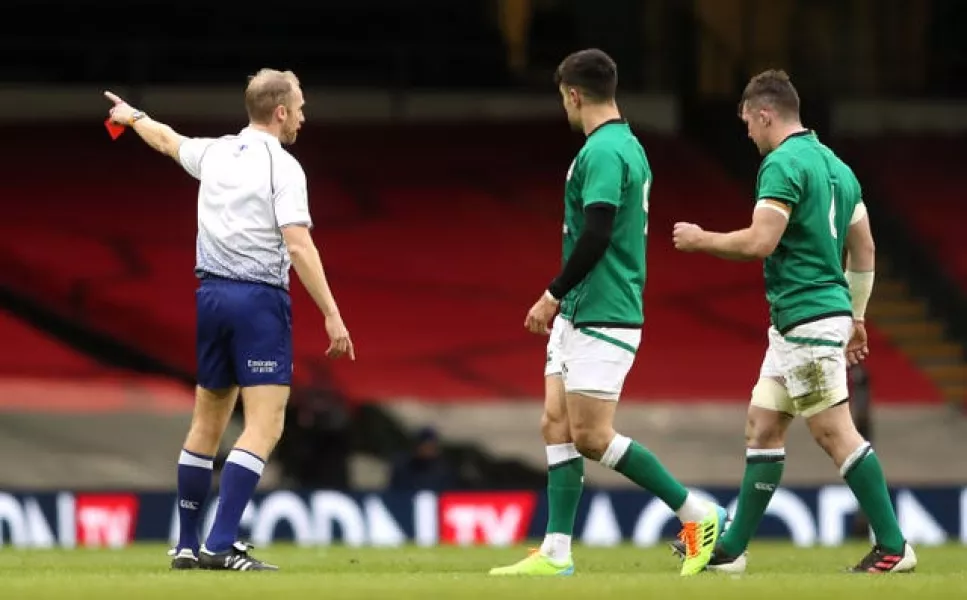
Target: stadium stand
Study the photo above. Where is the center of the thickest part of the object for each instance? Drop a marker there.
(437, 241)
(40, 374)
(26, 352)
(918, 177)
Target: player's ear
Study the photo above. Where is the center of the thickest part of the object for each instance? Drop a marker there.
(575, 95)
(281, 112)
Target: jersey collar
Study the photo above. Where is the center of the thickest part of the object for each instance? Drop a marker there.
(268, 137)
(606, 123)
(802, 133)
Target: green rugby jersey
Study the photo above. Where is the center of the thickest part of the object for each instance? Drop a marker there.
(804, 276)
(612, 168)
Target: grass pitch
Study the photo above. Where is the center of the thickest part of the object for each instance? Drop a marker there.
(776, 571)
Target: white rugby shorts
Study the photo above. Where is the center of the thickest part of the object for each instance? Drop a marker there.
(809, 361)
(593, 361)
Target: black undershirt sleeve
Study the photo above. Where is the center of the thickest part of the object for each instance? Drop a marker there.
(590, 247)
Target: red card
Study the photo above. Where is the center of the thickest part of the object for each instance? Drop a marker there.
(113, 130)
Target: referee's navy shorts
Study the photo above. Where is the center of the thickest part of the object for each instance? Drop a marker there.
(244, 334)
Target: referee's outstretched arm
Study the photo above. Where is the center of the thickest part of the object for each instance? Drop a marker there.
(159, 136)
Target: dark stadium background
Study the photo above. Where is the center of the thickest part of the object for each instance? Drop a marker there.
(436, 151)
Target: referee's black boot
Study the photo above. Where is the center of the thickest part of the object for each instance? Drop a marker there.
(235, 558)
(183, 560)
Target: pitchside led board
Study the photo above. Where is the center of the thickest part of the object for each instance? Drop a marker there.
(804, 516)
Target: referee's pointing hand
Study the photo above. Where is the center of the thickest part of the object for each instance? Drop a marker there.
(122, 113)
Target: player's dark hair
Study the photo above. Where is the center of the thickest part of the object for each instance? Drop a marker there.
(592, 71)
(774, 89)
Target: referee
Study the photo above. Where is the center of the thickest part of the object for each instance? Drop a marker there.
(253, 224)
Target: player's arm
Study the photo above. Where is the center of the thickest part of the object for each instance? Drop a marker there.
(186, 151)
(159, 136)
(308, 266)
(291, 203)
(156, 134)
(601, 194)
(777, 192)
(860, 260)
(755, 242)
(589, 249)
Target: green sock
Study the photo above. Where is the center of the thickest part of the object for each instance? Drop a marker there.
(864, 475)
(763, 471)
(565, 482)
(638, 464)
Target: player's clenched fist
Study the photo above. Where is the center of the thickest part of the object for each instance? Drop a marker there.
(687, 236)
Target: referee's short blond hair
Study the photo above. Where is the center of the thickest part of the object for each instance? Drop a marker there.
(267, 90)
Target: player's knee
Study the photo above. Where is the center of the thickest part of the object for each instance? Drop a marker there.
(591, 442)
(764, 432)
(554, 427)
(263, 429)
(203, 439)
(769, 415)
(835, 434)
(268, 428)
(834, 441)
(206, 431)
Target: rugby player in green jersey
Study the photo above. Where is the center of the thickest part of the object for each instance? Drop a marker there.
(596, 334)
(809, 210)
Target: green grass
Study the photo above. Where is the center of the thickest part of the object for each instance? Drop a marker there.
(776, 571)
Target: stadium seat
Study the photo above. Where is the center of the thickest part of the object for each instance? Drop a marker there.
(41, 374)
(919, 178)
(27, 352)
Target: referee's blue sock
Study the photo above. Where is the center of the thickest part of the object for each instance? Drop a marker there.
(239, 478)
(194, 483)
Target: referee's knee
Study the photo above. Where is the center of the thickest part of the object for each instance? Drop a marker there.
(264, 418)
(260, 437)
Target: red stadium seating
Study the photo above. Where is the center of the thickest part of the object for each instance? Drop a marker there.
(26, 352)
(436, 242)
(919, 178)
(40, 374)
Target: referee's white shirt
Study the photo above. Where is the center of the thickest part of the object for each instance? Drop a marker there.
(250, 188)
